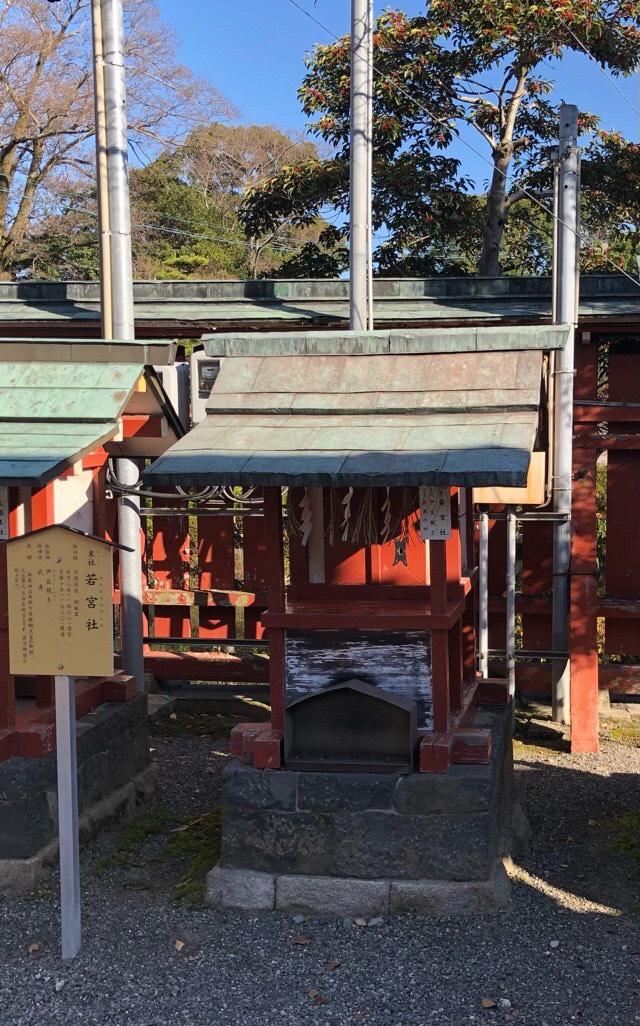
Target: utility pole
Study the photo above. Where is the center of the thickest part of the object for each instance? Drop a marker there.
(360, 163)
(102, 180)
(123, 325)
(370, 16)
(566, 286)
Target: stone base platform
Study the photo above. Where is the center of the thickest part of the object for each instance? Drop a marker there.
(114, 774)
(348, 896)
(367, 843)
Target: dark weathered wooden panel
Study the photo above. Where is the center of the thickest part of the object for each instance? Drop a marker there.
(399, 662)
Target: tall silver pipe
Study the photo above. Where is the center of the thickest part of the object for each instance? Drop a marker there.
(123, 324)
(118, 169)
(102, 176)
(567, 270)
(370, 16)
(511, 601)
(483, 596)
(359, 164)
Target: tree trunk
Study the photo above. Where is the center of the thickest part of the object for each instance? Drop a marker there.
(495, 217)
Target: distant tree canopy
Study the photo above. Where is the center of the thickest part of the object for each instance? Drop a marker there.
(185, 213)
(471, 66)
(214, 200)
(46, 108)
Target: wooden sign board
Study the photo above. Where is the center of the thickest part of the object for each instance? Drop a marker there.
(60, 586)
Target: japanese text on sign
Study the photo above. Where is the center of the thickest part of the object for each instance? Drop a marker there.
(60, 604)
(435, 513)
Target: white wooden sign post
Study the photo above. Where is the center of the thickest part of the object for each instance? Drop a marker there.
(60, 586)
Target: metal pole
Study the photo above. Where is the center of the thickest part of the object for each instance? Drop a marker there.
(511, 602)
(370, 167)
(483, 596)
(102, 183)
(359, 164)
(129, 532)
(68, 833)
(118, 172)
(567, 266)
(131, 630)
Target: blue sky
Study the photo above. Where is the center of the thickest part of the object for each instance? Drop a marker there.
(253, 51)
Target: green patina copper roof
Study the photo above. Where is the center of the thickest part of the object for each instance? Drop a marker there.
(456, 414)
(386, 341)
(203, 305)
(53, 413)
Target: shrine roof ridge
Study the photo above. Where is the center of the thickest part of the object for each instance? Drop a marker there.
(386, 341)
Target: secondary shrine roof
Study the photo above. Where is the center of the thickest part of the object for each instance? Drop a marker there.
(396, 408)
(51, 414)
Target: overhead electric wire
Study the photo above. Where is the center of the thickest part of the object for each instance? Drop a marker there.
(595, 60)
(478, 153)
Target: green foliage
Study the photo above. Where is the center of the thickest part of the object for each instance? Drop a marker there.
(472, 65)
(176, 232)
(185, 221)
(611, 183)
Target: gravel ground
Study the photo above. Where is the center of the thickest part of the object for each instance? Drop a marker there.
(567, 951)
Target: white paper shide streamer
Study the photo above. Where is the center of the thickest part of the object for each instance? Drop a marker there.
(306, 508)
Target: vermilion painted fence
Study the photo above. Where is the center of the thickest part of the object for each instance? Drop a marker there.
(605, 563)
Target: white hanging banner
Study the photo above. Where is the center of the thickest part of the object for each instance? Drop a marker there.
(435, 512)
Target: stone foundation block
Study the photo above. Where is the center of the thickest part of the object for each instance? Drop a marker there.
(20, 875)
(447, 898)
(366, 843)
(327, 895)
(240, 888)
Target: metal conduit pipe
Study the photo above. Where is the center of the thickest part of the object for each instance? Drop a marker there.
(118, 170)
(101, 170)
(370, 20)
(359, 142)
(566, 313)
(511, 601)
(483, 595)
(123, 325)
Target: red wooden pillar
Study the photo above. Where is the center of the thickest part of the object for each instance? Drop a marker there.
(453, 556)
(43, 515)
(42, 509)
(7, 683)
(470, 613)
(584, 605)
(216, 562)
(622, 636)
(439, 638)
(170, 555)
(275, 601)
